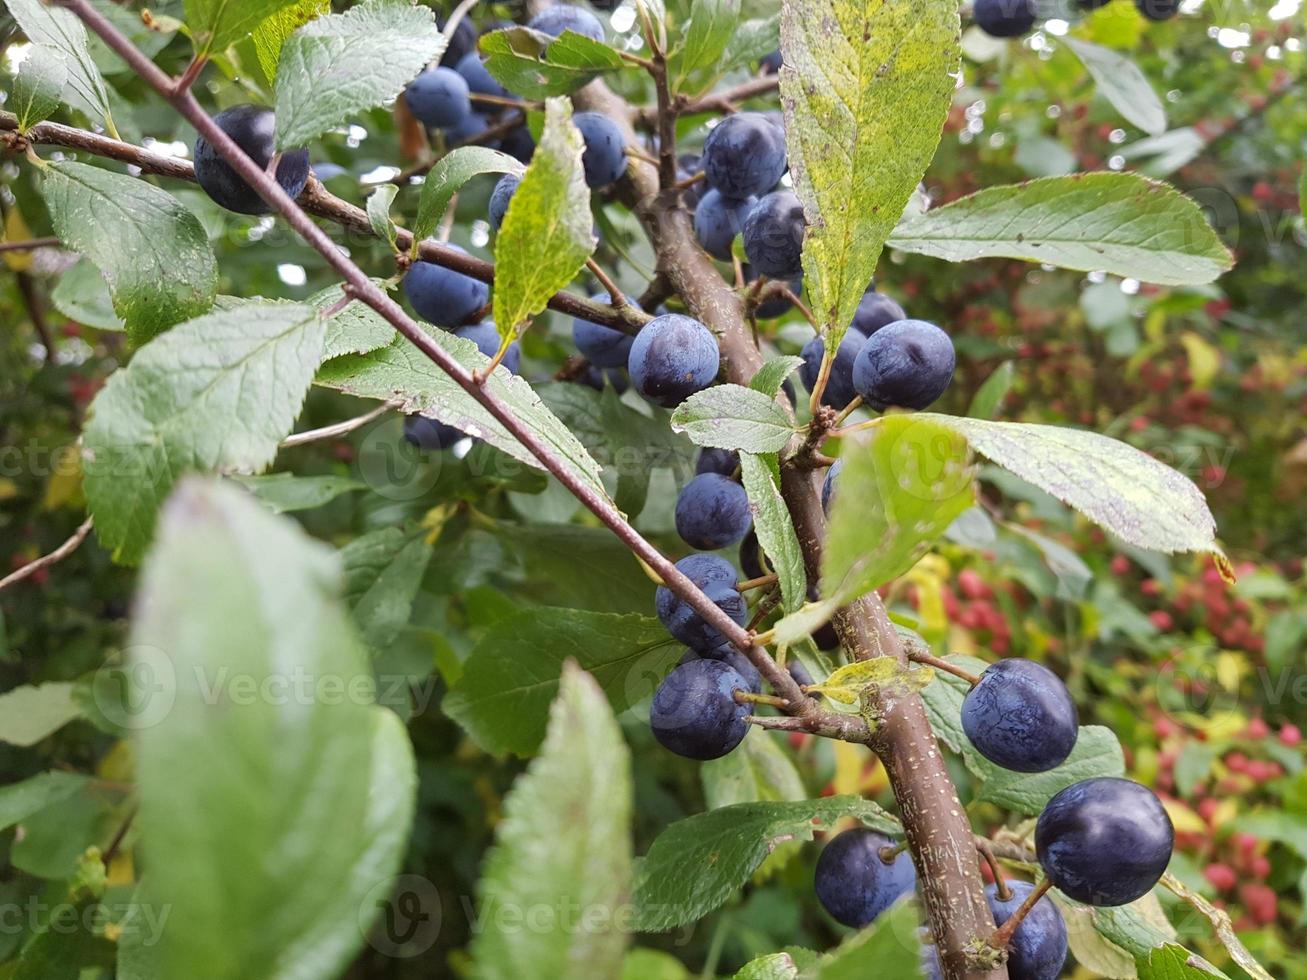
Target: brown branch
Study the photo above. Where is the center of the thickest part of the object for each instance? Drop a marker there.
(29, 245)
(723, 102)
(45, 561)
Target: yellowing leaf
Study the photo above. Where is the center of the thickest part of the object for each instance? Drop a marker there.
(847, 683)
(1204, 359)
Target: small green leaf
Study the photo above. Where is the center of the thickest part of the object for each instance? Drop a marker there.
(805, 621)
(751, 41)
(734, 417)
(83, 295)
(564, 844)
(712, 22)
(889, 947)
(60, 29)
(758, 770)
(356, 329)
(217, 24)
(697, 864)
(1173, 962)
(31, 712)
(379, 203)
(153, 253)
(1097, 753)
(775, 529)
(38, 87)
(548, 231)
(773, 373)
(217, 393)
(283, 493)
(898, 490)
(1118, 223)
(271, 34)
(866, 89)
(1122, 83)
(451, 172)
(989, 398)
(774, 966)
(511, 676)
(847, 684)
(536, 66)
(340, 65)
(18, 801)
(383, 573)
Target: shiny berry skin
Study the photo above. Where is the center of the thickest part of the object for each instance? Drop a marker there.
(1004, 18)
(907, 364)
(876, 310)
(254, 129)
(733, 658)
(1158, 9)
(839, 390)
(1039, 946)
(604, 159)
(854, 884)
(773, 235)
(1104, 841)
(500, 198)
(566, 17)
(1020, 716)
(717, 220)
(717, 578)
(694, 711)
(712, 511)
(744, 155)
(673, 357)
(442, 296)
(438, 98)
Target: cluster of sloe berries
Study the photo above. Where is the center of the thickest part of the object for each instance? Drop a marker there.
(1013, 18)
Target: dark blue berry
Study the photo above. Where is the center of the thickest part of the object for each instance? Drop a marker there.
(828, 485)
(478, 79)
(597, 378)
(500, 196)
(717, 578)
(853, 882)
(602, 346)
(712, 511)
(254, 130)
(442, 296)
(566, 17)
(1004, 18)
(1020, 716)
(907, 364)
(771, 63)
(744, 155)
(694, 711)
(486, 337)
(733, 658)
(776, 305)
(1158, 9)
(876, 310)
(717, 220)
(604, 159)
(673, 357)
(463, 40)
(723, 461)
(1039, 946)
(839, 389)
(1104, 841)
(472, 126)
(751, 557)
(438, 98)
(519, 144)
(773, 235)
(430, 435)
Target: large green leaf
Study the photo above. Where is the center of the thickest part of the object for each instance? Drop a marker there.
(563, 850)
(1173, 962)
(356, 329)
(866, 88)
(61, 30)
(536, 66)
(734, 417)
(259, 741)
(216, 24)
(1122, 83)
(283, 493)
(889, 947)
(1097, 753)
(272, 32)
(712, 23)
(698, 863)
(1143, 502)
(216, 393)
(401, 371)
(83, 295)
(548, 231)
(38, 87)
(18, 801)
(451, 172)
(33, 711)
(1118, 223)
(383, 572)
(511, 676)
(337, 66)
(152, 251)
(774, 528)
(757, 770)
(898, 490)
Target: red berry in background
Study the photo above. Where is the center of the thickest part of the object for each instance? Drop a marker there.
(1236, 762)
(1257, 729)
(972, 585)
(1164, 727)
(1207, 808)
(1222, 877)
(1150, 587)
(1290, 735)
(1120, 565)
(1260, 902)
(1162, 620)
(1261, 866)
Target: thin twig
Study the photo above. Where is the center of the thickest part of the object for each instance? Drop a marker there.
(616, 299)
(45, 561)
(1000, 880)
(930, 660)
(1003, 936)
(340, 428)
(29, 245)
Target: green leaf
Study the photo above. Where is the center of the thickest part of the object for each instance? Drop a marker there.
(943, 701)
(536, 66)
(989, 398)
(751, 41)
(1097, 753)
(773, 373)
(38, 87)
(712, 23)
(383, 573)
(697, 864)
(152, 251)
(899, 488)
(31, 712)
(758, 770)
(548, 231)
(18, 801)
(83, 295)
(1173, 962)
(284, 493)
(356, 329)
(1143, 502)
(774, 966)
(271, 34)
(889, 947)
(866, 89)
(60, 29)
(402, 371)
(775, 530)
(379, 203)
(450, 173)
(217, 24)
(340, 65)
(1122, 83)
(215, 394)
(1118, 223)
(734, 417)
(564, 845)
(267, 700)
(511, 676)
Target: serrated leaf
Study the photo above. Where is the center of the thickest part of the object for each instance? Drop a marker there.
(216, 24)
(356, 329)
(383, 573)
(1119, 223)
(773, 373)
(899, 488)
(751, 41)
(774, 966)
(1097, 753)
(712, 23)
(1122, 83)
(757, 770)
(537, 66)
(511, 676)
(1143, 502)
(217, 393)
(1176, 963)
(337, 66)
(153, 252)
(60, 29)
(245, 705)
(82, 295)
(401, 371)
(866, 88)
(731, 416)
(889, 947)
(548, 231)
(38, 87)
(33, 711)
(697, 864)
(564, 843)
(283, 493)
(18, 801)
(775, 529)
(379, 202)
(272, 32)
(450, 173)
(847, 684)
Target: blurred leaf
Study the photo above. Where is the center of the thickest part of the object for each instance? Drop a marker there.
(383, 573)
(1204, 359)
(82, 295)
(1097, 753)
(379, 202)
(216, 24)
(751, 41)
(34, 711)
(866, 89)
(155, 256)
(272, 32)
(775, 529)
(285, 492)
(536, 66)
(888, 947)
(564, 843)
(731, 416)
(774, 966)
(1121, 82)
(18, 801)
(712, 22)
(548, 231)
(38, 87)
(61, 30)
(1119, 223)
(337, 66)
(450, 173)
(989, 397)
(758, 770)
(1193, 765)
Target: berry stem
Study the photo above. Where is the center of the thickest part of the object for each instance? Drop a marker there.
(939, 663)
(616, 299)
(890, 852)
(996, 869)
(748, 697)
(1003, 936)
(757, 583)
(849, 409)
